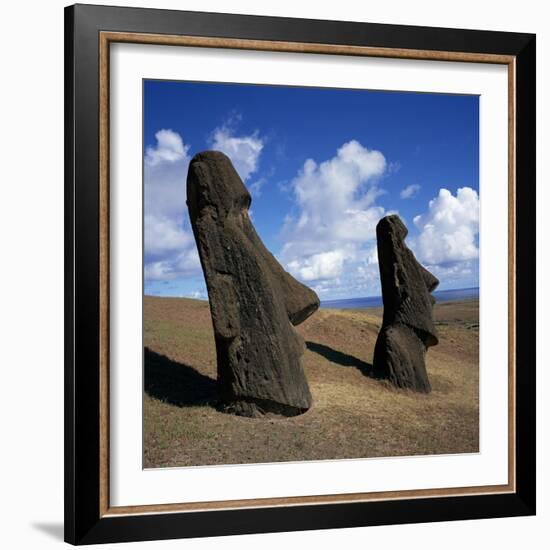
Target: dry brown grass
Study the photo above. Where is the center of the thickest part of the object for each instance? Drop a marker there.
(353, 416)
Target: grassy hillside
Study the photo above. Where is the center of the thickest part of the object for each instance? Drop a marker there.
(353, 416)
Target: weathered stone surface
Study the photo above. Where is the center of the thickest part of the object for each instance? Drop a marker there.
(253, 300)
(407, 328)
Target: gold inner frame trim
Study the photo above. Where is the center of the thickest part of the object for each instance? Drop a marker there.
(105, 39)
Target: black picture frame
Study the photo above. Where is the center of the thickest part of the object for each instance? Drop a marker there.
(84, 524)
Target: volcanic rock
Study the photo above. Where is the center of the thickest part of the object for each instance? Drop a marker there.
(407, 328)
(253, 300)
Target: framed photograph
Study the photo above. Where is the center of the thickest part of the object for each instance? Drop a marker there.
(299, 273)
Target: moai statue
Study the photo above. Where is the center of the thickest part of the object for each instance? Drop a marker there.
(408, 328)
(254, 302)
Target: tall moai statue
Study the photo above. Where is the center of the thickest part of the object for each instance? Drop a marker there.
(254, 302)
(408, 328)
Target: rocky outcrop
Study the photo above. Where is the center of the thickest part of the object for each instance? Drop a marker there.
(407, 329)
(253, 300)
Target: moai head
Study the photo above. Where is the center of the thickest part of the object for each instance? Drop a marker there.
(406, 285)
(215, 190)
(216, 186)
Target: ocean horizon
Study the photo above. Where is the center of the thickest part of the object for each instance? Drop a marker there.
(452, 295)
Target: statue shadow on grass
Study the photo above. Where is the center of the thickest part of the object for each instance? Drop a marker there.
(340, 358)
(176, 383)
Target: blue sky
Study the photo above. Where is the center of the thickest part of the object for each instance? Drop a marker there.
(322, 165)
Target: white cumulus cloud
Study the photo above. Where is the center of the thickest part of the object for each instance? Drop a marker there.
(448, 230)
(244, 151)
(169, 147)
(173, 266)
(457, 274)
(169, 245)
(325, 265)
(331, 234)
(410, 191)
(163, 235)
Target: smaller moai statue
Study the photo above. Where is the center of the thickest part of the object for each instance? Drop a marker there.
(408, 328)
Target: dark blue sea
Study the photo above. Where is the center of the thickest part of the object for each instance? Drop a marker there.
(376, 301)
